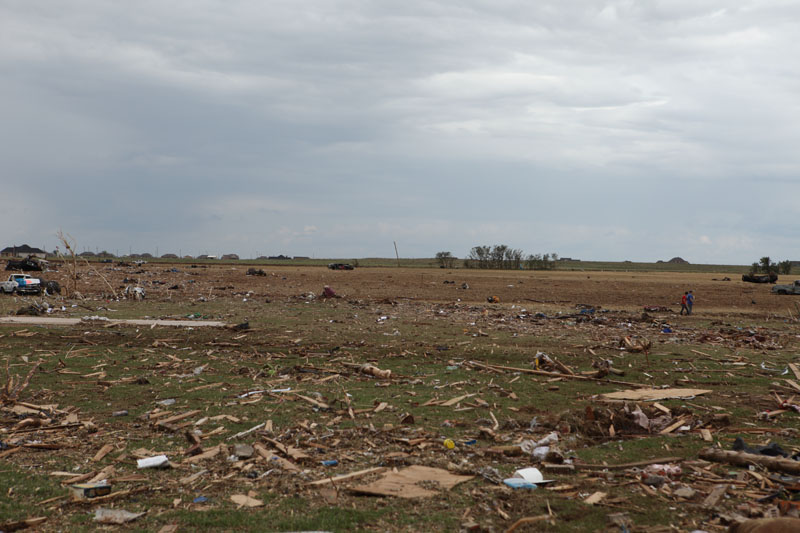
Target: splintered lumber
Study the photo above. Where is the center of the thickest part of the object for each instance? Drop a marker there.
(312, 401)
(102, 452)
(776, 464)
(248, 431)
(351, 475)
(208, 454)
(793, 384)
(290, 451)
(10, 451)
(672, 427)
(272, 458)
(528, 520)
(167, 421)
(552, 374)
(713, 498)
(450, 403)
(22, 524)
(595, 498)
(657, 460)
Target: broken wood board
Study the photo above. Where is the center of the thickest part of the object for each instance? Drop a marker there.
(405, 483)
(653, 394)
(351, 475)
(595, 498)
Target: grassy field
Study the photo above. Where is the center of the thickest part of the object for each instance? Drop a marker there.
(304, 354)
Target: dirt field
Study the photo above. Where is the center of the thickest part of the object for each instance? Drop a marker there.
(465, 397)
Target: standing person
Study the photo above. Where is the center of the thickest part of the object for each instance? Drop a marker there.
(683, 303)
(689, 302)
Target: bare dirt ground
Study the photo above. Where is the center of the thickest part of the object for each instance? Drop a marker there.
(467, 395)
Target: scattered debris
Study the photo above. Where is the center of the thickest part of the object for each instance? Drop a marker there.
(114, 516)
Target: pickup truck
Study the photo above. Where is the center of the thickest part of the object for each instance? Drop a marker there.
(22, 283)
(794, 288)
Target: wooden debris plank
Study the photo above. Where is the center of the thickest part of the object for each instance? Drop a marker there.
(208, 454)
(272, 457)
(793, 384)
(351, 475)
(657, 460)
(291, 451)
(713, 498)
(654, 394)
(312, 401)
(181, 416)
(102, 452)
(595, 498)
(661, 408)
(675, 425)
(192, 478)
(500, 368)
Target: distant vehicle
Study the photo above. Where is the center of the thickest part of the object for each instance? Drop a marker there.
(28, 264)
(22, 283)
(772, 277)
(341, 266)
(794, 288)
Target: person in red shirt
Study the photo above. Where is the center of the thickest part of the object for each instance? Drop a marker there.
(683, 303)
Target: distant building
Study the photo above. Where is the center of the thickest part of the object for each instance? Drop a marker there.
(169, 256)
(206, 256)
(23, 251)
(87, 253)
(567, 259)
(230, 257)
(301, 257)
(282, 257)
(678, 260)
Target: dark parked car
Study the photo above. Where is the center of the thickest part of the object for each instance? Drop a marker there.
(341, 266)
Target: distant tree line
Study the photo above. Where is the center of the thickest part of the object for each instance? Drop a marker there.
(766, 266)
(499, 257)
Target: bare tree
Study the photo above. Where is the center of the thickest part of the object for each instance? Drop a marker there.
(480, 256)
(70, 263)
(446, 259)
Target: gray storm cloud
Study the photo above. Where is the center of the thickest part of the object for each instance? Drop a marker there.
(620, 130)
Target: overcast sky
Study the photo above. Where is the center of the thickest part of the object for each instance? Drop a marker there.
(638, 130)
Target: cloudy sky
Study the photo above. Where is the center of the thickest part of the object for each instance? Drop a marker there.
(616, 130)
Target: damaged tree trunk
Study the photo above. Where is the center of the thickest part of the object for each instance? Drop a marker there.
(776, 464)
